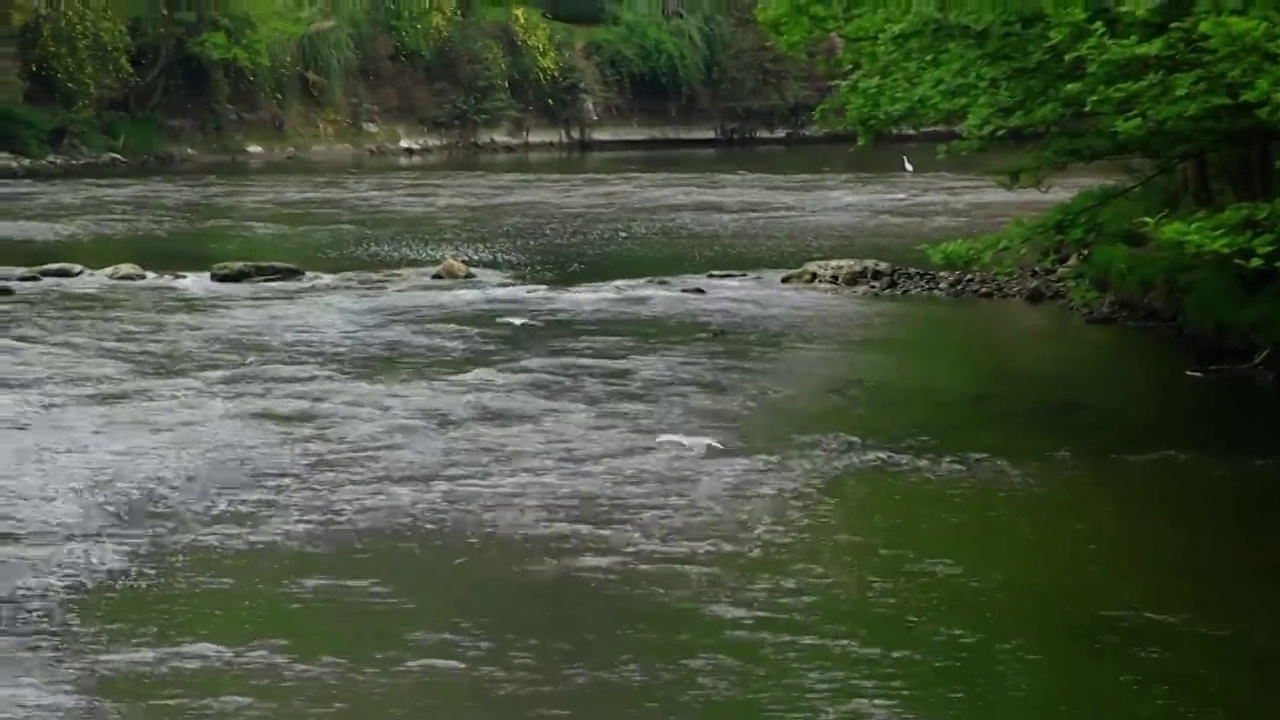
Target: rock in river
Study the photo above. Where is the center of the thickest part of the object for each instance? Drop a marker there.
(452, 269)
(60, 270)
(234, 272)
(124, 271)
(18, 275)
(840, 272)
(6, 290)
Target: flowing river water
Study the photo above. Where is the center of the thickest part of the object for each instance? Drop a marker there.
(365, 495)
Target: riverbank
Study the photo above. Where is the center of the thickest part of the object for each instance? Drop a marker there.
(289, 84)
(396, 144)
(1213, 353)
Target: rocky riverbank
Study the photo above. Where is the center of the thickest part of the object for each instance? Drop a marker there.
(1035, 285)
(1213, 354)
(876, 277)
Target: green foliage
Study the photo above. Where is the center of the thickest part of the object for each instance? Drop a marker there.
(471, 71)
(128, 134)
(541, 63)
(278, 52)
(415, 32)
(717, 60)
(34, 132)
(1097, 84)
(25, 130)
(75, 55)
(1188, 89)
(651, 56)
(1105, 214)
(456, 64)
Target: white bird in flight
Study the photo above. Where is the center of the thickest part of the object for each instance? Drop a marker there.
(907, 164)
(693, 442)
(517, 321)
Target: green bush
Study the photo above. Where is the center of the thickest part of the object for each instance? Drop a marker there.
(540, 62)
(1216, 270)
(456, 66)
(650, 56)
(469, 70)
(25, 130)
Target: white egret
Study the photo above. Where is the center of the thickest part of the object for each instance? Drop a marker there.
(693, 442)
(517, 321)
(907, 164)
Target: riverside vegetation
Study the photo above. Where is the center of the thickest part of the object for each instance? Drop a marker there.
(118, 77)
(1187, 97)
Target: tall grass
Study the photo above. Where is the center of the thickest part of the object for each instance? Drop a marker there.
(326, 55)
(647, 55)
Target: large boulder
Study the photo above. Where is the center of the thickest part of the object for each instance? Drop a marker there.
(124, 271)
(452, 269)
(853, 271)
(236, 272)
(60, 270)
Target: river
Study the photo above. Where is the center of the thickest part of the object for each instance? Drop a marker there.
(365, 495)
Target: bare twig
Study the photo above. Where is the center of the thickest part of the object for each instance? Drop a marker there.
(1234, 367)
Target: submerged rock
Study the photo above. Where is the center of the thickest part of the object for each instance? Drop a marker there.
(60, 270)
(452, 269)
(693, 291)
(1035, 292)
(124, 271)
(726, 274)
(19, 275)
(234, 272)
(7, 290)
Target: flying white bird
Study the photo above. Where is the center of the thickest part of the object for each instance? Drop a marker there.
(693, 442)
(906, 164)
(516, 321)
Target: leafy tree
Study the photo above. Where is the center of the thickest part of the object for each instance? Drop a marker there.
(1190, 93)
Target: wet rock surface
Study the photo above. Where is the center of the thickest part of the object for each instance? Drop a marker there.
(255, 272)
(452, 269)
(124, 271)
(60, 270)
(877, 277)
(76, 160)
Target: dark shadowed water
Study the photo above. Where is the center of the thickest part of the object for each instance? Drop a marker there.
(367, 495)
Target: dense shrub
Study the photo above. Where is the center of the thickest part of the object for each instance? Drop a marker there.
(455, 66)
